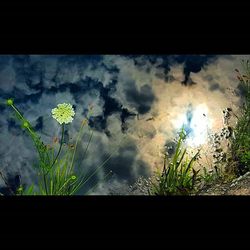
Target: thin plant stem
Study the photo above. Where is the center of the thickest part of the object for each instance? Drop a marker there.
(90, 137)
(83, 181)
(45, 183)
(17, 111)
(59, 151)
(77, 140)
(105, 178)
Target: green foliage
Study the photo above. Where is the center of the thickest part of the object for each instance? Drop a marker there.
(179, 177)
(211, 177)
(57, 174)
(208, 177)
(241, 139)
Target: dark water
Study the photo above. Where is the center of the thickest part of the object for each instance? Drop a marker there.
(38, 83)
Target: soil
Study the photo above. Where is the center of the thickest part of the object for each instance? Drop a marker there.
(239, 186)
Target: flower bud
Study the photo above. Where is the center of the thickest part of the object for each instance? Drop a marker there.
(10, 102)
(26, 124)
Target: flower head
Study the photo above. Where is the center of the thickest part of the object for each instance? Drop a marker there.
(64, 113)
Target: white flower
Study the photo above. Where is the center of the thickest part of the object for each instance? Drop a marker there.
(64, 113)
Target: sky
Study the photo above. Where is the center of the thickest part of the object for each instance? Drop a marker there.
(139, 102)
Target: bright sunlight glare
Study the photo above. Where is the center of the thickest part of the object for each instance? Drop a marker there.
(196, 123)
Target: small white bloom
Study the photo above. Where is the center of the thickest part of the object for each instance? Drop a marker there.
(64, 113)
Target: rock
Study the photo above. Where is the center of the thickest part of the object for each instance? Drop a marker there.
(246, 174)
(233, 184)
(240, 178)
(234, 180)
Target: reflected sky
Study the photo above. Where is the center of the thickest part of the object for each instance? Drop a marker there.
(139, 103)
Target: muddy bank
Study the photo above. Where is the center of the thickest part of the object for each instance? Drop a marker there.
(238, 186)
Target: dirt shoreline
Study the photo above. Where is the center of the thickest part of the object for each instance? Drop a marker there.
(239, 186)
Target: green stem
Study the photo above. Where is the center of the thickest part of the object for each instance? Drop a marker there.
(17, 111)
(35, 138)
(86, 149)
(105, 178)
(85, 180)
(20, 116)
(45, 183)
(66, 182)
(77, 140)
(59, 151)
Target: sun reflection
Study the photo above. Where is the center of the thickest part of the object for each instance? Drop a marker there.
(197, 123)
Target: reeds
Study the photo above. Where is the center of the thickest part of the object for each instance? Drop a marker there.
(178, 177)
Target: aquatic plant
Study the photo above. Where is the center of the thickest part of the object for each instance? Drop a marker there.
(56, 172)
(178, 177)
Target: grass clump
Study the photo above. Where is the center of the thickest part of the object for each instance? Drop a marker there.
(209, 177)
(178, 177)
